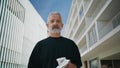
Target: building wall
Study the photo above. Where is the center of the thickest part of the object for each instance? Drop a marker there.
(95, 27)
(11, 33)
(20, 28)
(34, 30)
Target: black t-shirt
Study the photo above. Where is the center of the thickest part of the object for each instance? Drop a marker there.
(46, 52)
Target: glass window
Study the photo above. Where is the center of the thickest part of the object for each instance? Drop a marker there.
(94, 63)
(116, 21)
(92, 36)
(81, 11)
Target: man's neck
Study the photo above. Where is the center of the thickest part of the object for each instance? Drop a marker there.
(55, 35)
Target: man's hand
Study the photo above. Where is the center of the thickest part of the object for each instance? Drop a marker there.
(71, 65)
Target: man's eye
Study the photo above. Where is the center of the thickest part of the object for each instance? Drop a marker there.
(52, 21)
(58, 21)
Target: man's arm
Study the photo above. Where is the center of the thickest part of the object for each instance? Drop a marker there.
(33, 60)
(76, 57)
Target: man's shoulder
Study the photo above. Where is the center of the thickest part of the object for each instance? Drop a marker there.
(68, 39)
(70, 42)
(48, 39)
(43, 40)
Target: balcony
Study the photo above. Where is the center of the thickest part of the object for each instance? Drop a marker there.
(81, 12)
(116, 20)
(92, 37)
(95, 8)
(86, 4)
(79, 3)
(75, 12)
(80, 31)
(82, 45)
(83, 49)
(75, 24)
(108, 20)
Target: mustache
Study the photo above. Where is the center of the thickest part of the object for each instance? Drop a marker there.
(56, 27)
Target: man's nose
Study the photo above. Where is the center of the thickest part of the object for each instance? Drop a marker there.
(55, 22)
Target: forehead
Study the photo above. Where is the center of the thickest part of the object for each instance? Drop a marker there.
(55, 16)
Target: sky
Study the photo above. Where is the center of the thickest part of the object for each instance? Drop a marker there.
(44, 7)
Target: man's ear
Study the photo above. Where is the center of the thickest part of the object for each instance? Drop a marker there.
(47, 25)
(62, 25)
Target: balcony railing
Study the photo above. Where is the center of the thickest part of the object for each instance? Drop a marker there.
(116, 21)
(80, 31)
(86, 4)
(83, 49)
(92, 37)
(104, 29)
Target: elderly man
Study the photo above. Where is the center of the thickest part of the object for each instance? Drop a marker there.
(55, 46)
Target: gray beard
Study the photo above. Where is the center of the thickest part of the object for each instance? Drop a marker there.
(55, 30)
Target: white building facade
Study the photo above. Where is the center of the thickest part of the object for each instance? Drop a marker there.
(95, 27)
(21, 28)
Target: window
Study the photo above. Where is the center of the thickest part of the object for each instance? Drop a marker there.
(81, 11)
(116, 21)
(94, 63)
(92, 37)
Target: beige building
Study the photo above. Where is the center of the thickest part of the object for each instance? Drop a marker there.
(95, 27)
(21, 28)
